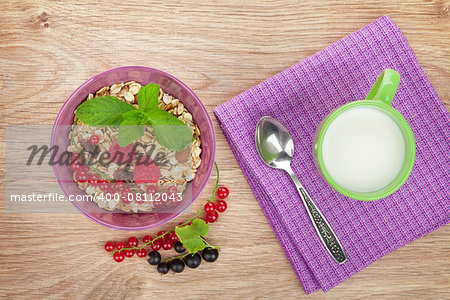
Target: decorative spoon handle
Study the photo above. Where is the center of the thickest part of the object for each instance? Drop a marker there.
(326, 234)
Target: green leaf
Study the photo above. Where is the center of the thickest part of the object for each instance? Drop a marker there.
(104, 110)
(200, 227)
(191, 242)
(136, 117)
(190, 235)
(132, 127)
(148, 97)
(170, 131)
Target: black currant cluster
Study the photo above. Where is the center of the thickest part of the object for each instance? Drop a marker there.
(192, 261)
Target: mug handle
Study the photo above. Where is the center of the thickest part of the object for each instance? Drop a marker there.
(385, 87)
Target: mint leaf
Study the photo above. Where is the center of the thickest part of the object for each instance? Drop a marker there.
(132, 127)
(136, 117)
(190, 235)
(128, 133)
(170, 131)
(104, 110)
(148, 97)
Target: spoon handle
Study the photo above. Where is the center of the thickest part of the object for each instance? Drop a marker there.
(326, 234)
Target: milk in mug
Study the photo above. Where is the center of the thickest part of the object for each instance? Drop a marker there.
(363, 149)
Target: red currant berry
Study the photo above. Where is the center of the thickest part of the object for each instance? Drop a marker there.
(147, 239)
(151, 189)
(210, 207)
(141, 252)
(205, 219)
(132, 241)
(104, 185)
(173, 237)
(161, 233)
(118, 256)
(94, 139)
(109, 194)
(109, 246)
(139, 198)
(167, 244)
(120, 245)
(84, 168)
(119, 185)
(75, 166)
(76, 158)
(125, 195)
(129, 253)
(126, 191)
(157, 204)
(81, 176)
(172, 190)
(156, 245)
(221, 206)
(94, 179)
(222, 192)
(211, 218)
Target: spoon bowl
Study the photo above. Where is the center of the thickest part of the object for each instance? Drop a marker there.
(274, 143)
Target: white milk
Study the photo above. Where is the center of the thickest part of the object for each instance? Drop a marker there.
(363, 149)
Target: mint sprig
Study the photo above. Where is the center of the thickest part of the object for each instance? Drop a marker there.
(170, 131)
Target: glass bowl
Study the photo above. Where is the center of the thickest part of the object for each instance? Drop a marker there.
(170, 85)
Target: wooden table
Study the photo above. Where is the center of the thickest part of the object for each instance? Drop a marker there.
(48, 48)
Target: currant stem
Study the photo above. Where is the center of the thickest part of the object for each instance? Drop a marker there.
(208, 244)
(217, 183)
(177, 257)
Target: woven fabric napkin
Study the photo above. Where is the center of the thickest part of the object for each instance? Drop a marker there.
(300, 97)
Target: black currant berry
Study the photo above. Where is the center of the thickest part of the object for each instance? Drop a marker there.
(177, 265)
(163, 268)
(179, 247)
(210, 255)
(155, 258)
(193, 261)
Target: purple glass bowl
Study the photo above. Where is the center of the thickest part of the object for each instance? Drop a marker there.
(172, 86)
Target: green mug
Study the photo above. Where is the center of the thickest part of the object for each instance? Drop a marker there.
(366, 149)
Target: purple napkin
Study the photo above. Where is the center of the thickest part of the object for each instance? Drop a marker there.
(300, 97)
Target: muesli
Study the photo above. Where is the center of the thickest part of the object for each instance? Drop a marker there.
(124, 183)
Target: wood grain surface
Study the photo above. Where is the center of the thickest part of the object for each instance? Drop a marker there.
(219, 48)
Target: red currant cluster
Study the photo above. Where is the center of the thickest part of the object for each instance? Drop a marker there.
(212, 208)
(164, 240)
(168, 239)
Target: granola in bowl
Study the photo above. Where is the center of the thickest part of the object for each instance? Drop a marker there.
(122, 174)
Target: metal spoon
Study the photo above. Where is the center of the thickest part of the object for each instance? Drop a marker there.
(276, 148)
